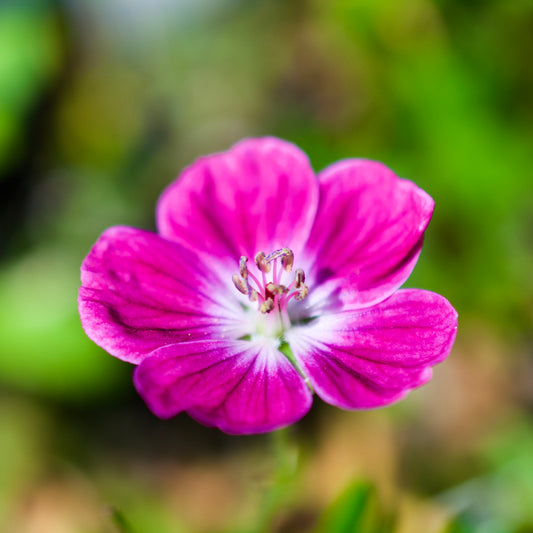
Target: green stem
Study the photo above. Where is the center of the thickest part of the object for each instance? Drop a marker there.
(285, 454)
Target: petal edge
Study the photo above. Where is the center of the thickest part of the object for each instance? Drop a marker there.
(372, 357)
(241, 387)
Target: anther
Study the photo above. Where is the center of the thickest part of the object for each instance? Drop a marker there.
(304, 289)
(274, 289)
(267, 306)
(299, 278)
(243, 269)
(239, 284)
(270, 293)
(287, 260)
(261, 262)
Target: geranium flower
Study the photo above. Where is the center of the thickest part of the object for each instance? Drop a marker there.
(266, 283)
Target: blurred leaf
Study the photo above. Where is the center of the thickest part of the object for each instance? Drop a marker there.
(137, 509)
(44, 348)
(29, 57)
(500, 500)
(460, 525)
(355, 511)
(120, 521)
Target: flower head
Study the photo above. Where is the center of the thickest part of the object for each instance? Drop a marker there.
(266, 283)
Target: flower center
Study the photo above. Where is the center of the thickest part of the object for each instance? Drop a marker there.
(267, 287)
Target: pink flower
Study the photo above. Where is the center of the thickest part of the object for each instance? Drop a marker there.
(266, 283)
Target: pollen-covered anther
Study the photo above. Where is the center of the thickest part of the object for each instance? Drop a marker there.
(299, 283)
(299, 278)
(285, 254)
(267, 306)
(261, 262)
(302, 293)
(275, 289)
(267, 288)
(243, 269)
(239, 284)
(288, 259)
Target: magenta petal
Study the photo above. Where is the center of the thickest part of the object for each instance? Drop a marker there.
(368, 232)
(238, 386)
(260, 195)
(372, 357)
(140, 292)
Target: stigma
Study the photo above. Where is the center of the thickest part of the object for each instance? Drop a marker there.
(272, 287)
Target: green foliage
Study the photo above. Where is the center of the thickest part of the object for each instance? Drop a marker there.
(460, 525)
(44, 348)
(30, 55)
(499, 500)
(437, 110)
(356, 510)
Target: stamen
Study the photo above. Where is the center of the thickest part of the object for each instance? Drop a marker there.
(299, 278)
(239, 283)
(254, 279)
(261, 262)
(287, 257)
(304, 289)
(288, 260)
(268, 289)
(243, 269)
(275, 273)
(275, 289)
(267, 306)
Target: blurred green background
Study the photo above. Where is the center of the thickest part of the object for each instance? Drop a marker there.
(103, 102)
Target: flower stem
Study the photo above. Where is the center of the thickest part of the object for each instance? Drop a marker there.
(286, 456)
